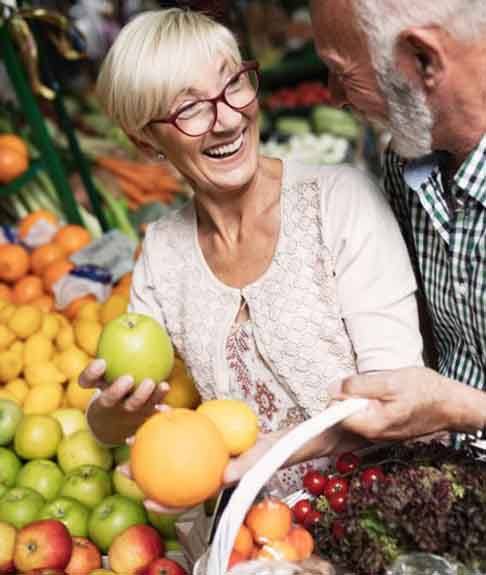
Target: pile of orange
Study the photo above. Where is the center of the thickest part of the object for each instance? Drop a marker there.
(268, 533)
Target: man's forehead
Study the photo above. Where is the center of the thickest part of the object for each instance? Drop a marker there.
(334, 23)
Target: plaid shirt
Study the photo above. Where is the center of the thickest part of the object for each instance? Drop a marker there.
(446, 237)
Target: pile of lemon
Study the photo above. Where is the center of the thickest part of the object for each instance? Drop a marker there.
(43, 353)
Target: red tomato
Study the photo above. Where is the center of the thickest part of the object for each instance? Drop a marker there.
(336, 485)
(371, 475)
(312, 518)
(347, 462)
(337, 502)
(314, 482)
(301, 510)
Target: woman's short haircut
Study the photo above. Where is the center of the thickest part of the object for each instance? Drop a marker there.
(156, 56)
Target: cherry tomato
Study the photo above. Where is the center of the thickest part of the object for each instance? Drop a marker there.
(312, 518)
(371, 475)
(337, 502)
(337, 529)
(347, 462)
(301, 510)
(336, 485)
(314, 482)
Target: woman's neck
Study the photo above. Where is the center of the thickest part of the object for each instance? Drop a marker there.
(227, 215)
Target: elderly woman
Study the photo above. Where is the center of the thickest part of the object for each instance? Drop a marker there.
(277, 280)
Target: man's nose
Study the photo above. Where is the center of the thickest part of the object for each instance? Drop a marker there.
(338, 93)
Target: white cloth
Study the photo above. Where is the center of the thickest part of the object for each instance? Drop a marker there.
(338, 296)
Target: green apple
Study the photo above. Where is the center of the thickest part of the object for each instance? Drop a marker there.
(9, 467)
(87, 484)
(37, 437)
(3, 490)
(172, 545)
(81, 448)
(10, 416)
(137, 345)
(20, 505)
(112, 516)
(72, 513)
(43, 476)
(164, 523)
(71, 420)
(123, 485)
(121, 453)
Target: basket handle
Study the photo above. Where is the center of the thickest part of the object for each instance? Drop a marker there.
(255, 478)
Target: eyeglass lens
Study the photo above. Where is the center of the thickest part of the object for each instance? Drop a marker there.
(199, 117)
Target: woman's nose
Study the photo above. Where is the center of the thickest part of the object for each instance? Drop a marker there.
(227, 118)
(338, 93)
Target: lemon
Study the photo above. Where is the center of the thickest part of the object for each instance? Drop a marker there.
(7, 337)
(5, 394)
(18, 387)
(89, 310)
(65, 338)
(3, 303)
(10, 365)
(43, 399)
(236, 422)
(72, 361)
(41, 373)
(50, 325)
(6, 313)
(78, 396)
(62, 319)
(18, 347)
(25, 321)
(87, 333)
(114, 306)
(182, 392)
(37, 349)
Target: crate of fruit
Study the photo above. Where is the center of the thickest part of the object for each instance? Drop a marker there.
(399, 509)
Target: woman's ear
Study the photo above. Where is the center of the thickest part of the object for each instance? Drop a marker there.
(146, 148)
(420, 55)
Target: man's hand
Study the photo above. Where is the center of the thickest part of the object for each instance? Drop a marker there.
(404, 404)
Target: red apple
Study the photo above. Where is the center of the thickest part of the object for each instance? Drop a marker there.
(132, 551)
(43, 544)
(164, 566)
(85, 557)
(8, 534)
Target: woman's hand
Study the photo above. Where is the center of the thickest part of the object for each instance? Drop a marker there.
(120, 392)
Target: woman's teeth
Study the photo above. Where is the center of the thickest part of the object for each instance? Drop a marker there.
(227, 150)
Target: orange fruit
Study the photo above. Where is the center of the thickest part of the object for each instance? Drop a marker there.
(178, 458)
(301, 540)
(244, 542)
(44, 255)
(28, 221)
(44, 302)
(125, 279)
(14, 262)
(26, 289)
(5, 292)
(55, 271)
(72, 238)
(71, 311)
(122, 290)
(278, 551)
(269, 520)
(14, 157)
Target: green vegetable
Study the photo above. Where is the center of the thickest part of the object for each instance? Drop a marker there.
(336, 122)
(290, 126)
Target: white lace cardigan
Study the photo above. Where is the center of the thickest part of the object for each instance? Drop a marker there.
(303, 330)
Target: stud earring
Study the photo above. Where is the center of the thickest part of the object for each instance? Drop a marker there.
(161, 157)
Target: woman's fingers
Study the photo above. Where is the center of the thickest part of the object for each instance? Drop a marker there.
(157, 508)
(113, 394)
(125, 470)
(91, 376)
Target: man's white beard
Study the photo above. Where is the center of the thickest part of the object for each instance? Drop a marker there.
(410, 118)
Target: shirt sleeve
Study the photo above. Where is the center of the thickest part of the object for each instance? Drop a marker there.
(376, 287)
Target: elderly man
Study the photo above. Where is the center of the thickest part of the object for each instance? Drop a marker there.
(417, 67)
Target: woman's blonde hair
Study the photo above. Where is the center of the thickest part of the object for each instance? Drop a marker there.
(156, 56)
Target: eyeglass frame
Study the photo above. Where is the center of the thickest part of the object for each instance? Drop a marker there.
(249, 66)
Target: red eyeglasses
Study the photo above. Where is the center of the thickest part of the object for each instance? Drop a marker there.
(198, 118)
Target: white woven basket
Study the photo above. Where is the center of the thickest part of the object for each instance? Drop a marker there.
(215, 561)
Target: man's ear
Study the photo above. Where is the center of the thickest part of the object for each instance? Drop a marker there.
(419, 54)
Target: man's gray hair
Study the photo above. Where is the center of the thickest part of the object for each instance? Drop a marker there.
(384, 20)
